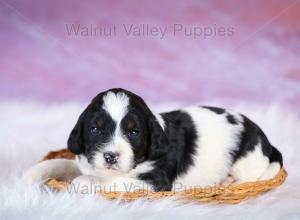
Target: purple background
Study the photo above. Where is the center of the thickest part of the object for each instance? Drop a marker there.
(260, 62)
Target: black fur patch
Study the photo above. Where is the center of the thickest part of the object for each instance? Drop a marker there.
(250, 137)
(231, 119)
(181, 134)
(215, 109)
(276, 156)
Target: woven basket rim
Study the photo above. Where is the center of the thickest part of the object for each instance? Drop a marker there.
(230, 194)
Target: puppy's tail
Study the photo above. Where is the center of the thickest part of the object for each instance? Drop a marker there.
(274, 166)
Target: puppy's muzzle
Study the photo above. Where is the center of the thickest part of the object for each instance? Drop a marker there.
(111, 157)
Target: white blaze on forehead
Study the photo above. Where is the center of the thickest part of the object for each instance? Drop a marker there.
(116, 105)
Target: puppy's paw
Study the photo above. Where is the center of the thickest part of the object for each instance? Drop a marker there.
(35, 175)
(61, 169)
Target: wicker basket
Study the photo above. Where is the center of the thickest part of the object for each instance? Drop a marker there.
(230, 194)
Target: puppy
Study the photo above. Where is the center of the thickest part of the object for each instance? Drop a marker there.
(121, 142)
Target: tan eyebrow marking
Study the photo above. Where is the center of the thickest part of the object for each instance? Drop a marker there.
(131, 124)
(100, 123)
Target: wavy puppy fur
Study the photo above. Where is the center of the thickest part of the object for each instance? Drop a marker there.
(119, 140)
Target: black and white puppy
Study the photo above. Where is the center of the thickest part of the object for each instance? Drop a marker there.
(120, 141)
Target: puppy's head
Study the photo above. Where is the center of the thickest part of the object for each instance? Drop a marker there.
(117, 131)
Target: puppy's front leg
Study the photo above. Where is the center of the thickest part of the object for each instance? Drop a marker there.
(61, 169)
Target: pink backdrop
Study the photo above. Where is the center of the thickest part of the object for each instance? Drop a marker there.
(259, 61)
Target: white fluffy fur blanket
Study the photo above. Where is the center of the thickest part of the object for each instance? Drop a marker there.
(29, 130)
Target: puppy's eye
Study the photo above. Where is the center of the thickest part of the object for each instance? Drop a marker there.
(133, 133)
(95, 131)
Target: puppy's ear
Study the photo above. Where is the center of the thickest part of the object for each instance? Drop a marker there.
(76, 138)
(158, 140)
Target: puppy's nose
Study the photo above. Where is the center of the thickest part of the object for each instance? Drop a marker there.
(111, 157)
